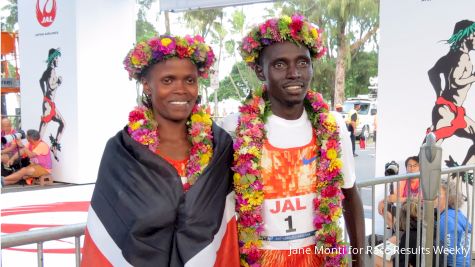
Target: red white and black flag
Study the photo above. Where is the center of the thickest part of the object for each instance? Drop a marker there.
(140, 216)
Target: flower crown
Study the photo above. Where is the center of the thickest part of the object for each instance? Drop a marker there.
(163, 47)
(296, 29)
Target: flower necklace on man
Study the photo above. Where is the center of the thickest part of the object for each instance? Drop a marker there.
(142, 127)
(250, 136)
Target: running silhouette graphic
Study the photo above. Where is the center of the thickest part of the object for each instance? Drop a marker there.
(49, 83)
(448, 115)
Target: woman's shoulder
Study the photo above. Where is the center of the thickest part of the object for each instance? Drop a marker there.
(221, 135)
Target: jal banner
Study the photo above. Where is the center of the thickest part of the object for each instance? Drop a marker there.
(71, 56)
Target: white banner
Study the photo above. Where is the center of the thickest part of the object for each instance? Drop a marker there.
(185, 5)
(71, 56)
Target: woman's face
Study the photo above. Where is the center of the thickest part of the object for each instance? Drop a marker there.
(412, 166)
(173, 88)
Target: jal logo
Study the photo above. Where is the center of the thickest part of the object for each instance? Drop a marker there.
(47, 13)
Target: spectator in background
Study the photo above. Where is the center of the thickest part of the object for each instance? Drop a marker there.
(461, 246)
(40, 159)
(352, 122)
(409, 208)
(9, 148)
(406, 189)
(338, 107)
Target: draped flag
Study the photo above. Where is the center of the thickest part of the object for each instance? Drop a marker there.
(140, 216)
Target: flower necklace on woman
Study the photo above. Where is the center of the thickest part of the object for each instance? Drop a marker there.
(142, 127)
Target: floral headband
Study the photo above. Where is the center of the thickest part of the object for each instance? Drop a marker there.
(160, 48)
(296, 29)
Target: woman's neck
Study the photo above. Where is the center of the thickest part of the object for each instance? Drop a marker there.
(173, 139)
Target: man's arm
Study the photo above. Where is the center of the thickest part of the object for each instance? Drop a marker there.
(354, 218)
(459, 72)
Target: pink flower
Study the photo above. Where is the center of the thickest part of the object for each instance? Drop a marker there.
(332, 143)
(330, 191)
(318, 222)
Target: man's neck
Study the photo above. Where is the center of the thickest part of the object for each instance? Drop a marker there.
(286, 111)
(289, 113)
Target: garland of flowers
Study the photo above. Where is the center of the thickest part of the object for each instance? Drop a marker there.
(296, 29)
(159, 48)
(249, 185)
(142, 127)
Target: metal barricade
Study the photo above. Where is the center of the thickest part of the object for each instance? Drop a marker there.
(462, 178)
(48, 234)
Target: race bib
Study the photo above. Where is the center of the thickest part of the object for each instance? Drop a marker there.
(288, 222)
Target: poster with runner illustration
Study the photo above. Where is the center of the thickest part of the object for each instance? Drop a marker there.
(452, 77)
(74, 89)
(426, 80)
(50, 82)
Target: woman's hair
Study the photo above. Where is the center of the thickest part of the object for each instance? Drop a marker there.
(450, 188)
(414, 158)
(409, 208)
(33, 134)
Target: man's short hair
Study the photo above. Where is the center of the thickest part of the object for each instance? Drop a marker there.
(33, 134)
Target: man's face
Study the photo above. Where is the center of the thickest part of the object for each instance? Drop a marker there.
(6, 126)
(286, 69)
(173, 87)
(357, 107)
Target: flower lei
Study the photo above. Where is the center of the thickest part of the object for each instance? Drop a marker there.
(142, 127)
(249, 185)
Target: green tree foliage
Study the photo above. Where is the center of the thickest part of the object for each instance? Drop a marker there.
(201, 21)
(9, 22)
(242, 78)
(144, 29)
(364, 65)
(324, 76)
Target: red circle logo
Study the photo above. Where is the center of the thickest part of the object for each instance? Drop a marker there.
(47, 13)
